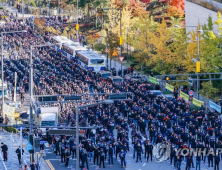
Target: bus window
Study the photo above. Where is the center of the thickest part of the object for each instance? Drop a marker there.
(97, 61)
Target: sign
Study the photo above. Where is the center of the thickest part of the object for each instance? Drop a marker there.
(191, 92)
(198, 66)
(42, 142)
(91, 36)
(153, 80)
(77, 27)
(9, 111)
(29, 146)
(77, 39)
(107, 50)
(198, 103)
(215, 106)
(16, 115)
(115, 53)
(169, 87)
(120, 40)
(121, 59)
(97, 36)
(184, 96)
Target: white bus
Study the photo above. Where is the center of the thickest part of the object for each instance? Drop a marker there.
(91, 60)
(59, 40)
(70, 49)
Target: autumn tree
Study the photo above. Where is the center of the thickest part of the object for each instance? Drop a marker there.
(161, 57)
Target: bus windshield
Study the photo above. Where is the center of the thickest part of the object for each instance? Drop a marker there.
(97, 61)
(48, 123)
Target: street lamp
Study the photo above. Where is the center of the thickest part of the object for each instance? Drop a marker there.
(77, 126)
(120, 38)
(3, 64)
(198, 60)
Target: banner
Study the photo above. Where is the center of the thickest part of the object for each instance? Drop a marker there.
(169, 87)
(198, 103)
(215, 106)
(153, 80)
(9, 111)
(184, 96)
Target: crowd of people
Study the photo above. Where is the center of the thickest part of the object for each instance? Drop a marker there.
(143, 121)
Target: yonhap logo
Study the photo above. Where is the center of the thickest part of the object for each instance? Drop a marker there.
(161, 152)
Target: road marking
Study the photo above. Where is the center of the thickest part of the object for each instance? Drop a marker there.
(50, 165)
(144, 164)
(3, 162)
(26, 164)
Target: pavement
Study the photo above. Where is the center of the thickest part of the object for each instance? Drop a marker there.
(13, 143)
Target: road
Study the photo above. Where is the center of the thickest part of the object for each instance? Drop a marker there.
(195, 13)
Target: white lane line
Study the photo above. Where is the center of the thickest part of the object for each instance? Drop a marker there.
(144, 164)
(3, 161)
(26, 164)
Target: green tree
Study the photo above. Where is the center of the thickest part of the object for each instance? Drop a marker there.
(208, 91)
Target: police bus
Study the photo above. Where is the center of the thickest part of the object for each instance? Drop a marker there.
(70, 49)
(59, 40)
(91, 60)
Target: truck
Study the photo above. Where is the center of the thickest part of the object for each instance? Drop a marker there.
(47, 117)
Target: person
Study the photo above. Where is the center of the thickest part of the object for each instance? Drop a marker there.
(110, 157)
(84, 160)
(63, 153)
(188, 165)
(18, 152)
(33, 166)
(122, 155)
(139, 152)
(150, 151)
(1, 121)
(102, 158)
(4, 150)
(96, 156)
(67, 156)
(217, 161)
(198, 160)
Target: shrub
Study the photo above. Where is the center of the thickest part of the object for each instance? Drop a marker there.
(10, 129)
(100, 47)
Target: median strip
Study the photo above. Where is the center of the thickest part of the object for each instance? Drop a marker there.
(50, 165)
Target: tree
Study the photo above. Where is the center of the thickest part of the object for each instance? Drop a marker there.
(210, 53)
(161, 57)
(113, 40)
(208, 92)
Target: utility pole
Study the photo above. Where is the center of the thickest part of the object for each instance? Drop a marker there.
(31, 112)
(121, 41)
(127, 50)
(58, 7)
(198, 60)
(77, 22)
(2, 62)
(23, 10)
(77, 137)
(107, 59)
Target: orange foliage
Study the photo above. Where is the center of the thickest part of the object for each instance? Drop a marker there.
(180, 4)
(118, 3)
(137, 8)
(175, 12)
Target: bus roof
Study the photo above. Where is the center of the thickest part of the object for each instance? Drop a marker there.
(60, 38)
(89, 54)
